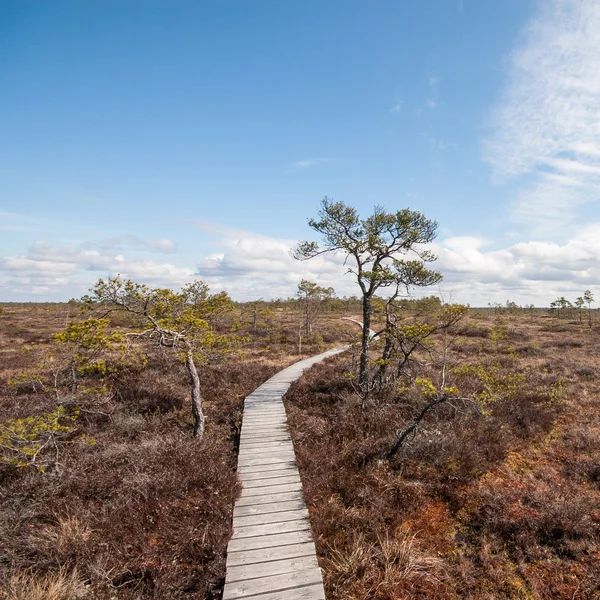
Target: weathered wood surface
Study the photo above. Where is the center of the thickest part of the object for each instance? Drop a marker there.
(373, 335)
(271, 554)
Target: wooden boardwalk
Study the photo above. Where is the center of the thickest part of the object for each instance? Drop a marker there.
(271, 554)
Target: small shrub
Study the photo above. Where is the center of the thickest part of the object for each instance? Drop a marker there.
(34, 441)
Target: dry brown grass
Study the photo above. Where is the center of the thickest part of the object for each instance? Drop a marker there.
(64, 585)
(377, 569)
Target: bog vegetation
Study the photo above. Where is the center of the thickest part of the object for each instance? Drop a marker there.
(452, 453)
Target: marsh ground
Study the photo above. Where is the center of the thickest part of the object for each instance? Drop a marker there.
(134, 508)
(504, 504)
(497, 505)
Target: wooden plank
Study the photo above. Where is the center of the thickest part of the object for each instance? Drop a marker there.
(266, 468)
(268, 498)
(306, 592)
(267, 443)
(244, 477)
(255, 453)
(265, 458)
(262, 453)
(276, 517)
(262, 585)
(269, 507)
(254, 417)
(260, 414)
(264, 402)
(259, 430)
(271, 489)
(269, 541)
(265, 435)
(259, 424)
(273, 567)
(246, 557)
(270, 528)
(269, 478)
(275, 436)
(265, 447)
(266, 439)
(260, 483)
(252, 461)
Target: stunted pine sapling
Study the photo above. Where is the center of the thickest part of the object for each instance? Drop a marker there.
(410, 339)
(589, 298)
(311, 296)
(369, 245)
(34, 441)
(179, 320)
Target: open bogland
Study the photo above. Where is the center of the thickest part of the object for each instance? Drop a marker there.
(479, 504)
(134, 506)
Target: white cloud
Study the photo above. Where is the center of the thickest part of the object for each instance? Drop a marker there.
(546, 128)
(252, 266)
(54, 270)
(255, 266)
(310, 162)
(524, 272)
(126, 240)
(162, 245)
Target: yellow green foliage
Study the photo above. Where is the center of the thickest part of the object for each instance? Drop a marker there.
(92, 350)
(451, 391)
(89, 335)
(426, 386)
(26, 442)
(35, 381)
(557, 390)
(175, 319)
(498, 332)
(494, 384)
(428, 389)
(415, 331)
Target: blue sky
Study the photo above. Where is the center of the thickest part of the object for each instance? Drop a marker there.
(172, 140)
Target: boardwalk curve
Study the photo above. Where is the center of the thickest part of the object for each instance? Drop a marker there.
(373, 335)
(271, 554)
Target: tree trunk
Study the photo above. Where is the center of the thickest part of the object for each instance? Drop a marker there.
(402, 364)
(197, 413)
(307, 323)
(387, 350)
(363, 384)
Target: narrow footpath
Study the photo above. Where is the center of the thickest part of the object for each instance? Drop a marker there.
(271, 554)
